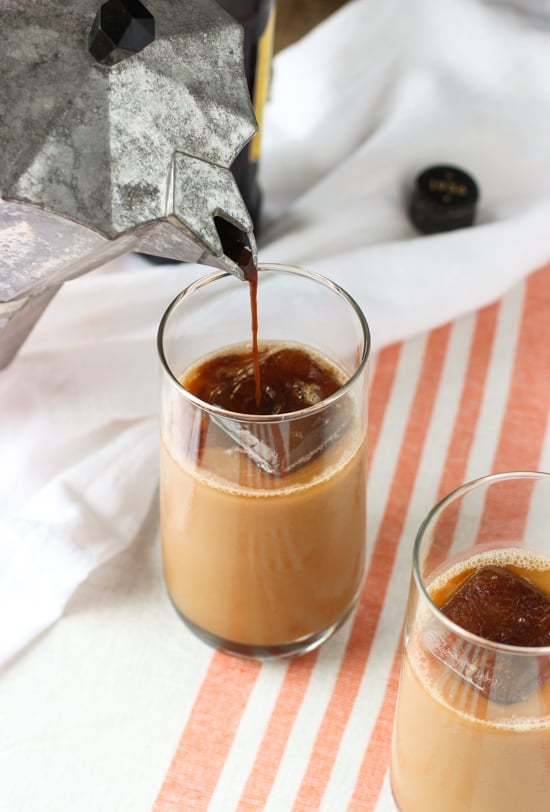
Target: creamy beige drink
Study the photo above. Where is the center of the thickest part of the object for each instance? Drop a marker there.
(263, 457)
(472, 732)
(263, 525)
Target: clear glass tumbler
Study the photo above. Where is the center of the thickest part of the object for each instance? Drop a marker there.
(263, 515)
(472, 723)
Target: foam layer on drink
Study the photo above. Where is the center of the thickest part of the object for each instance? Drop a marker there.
(256, 485)
(515, 558)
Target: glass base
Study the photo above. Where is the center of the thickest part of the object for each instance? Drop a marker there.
(397, 807)
(258, 652)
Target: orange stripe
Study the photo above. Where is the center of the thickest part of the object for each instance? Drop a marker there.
(380, 391)
(462, 438)
(372, 598)
(208, 735)
(507, 510)
(525, 422)
(275, 738)
(299, 672)
(532, 365)
(375, 761)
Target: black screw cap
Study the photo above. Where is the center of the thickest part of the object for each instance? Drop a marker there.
(444, 198)
(121, 28)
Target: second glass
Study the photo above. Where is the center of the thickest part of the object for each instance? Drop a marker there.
(263, 515)
(472, 723)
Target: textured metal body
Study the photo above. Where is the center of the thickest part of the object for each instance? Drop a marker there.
(99, 160)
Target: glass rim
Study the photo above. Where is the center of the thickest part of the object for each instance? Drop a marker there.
(266, 418)
(429, 520)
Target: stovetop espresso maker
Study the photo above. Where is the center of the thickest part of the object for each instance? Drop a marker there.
(118, 124)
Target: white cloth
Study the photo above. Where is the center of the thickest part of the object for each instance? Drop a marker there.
(369, 98)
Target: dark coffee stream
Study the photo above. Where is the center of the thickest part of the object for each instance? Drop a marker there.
(246, 263)
(236, 248)
(274, 378)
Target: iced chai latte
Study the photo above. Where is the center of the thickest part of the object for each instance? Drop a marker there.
(472, 725)
(263, 488)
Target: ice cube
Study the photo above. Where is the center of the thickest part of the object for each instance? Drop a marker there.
(292, 380)
(498, 605)
(283, 447)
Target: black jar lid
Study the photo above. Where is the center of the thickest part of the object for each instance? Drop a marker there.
(444, 198)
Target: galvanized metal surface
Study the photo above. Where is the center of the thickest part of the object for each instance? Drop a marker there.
(98, 160)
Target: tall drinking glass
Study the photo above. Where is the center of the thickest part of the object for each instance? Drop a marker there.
(472, 723)
(262, 507)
